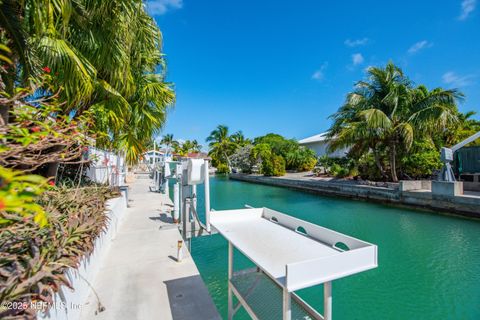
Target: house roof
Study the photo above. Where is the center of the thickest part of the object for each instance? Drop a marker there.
(161, 151)
(316, 138)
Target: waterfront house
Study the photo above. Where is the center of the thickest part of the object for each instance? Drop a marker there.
(319, 143)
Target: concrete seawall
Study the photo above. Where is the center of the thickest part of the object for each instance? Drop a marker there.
(465, 205)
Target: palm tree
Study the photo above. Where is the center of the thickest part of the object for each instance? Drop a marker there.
(221, 145)
(239, 139)
(464, 128)
(387, 112)
(196, 147)
(103, 55)
(168, 141)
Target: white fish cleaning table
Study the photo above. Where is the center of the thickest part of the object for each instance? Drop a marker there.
(290, 254)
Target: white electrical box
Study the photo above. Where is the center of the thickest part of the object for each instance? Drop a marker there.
(195, 171)
(446, 154)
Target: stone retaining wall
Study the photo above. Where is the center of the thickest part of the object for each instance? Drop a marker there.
(414, 194)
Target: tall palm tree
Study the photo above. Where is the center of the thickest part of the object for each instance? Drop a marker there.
(387, 112)
(103, 55)
(221, 145)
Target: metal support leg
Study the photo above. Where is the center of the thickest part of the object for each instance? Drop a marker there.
(327, 301)
(185, 219)
(176, 202)
(287, 309)
(230, 274)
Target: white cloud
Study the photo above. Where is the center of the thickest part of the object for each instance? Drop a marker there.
(456, 80)
(468, 6)
(320, 73)
(424, 44)
(159, 7)
(356, 42)
(357, 59)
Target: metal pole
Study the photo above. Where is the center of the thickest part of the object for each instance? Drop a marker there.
(167, 187)
(230, 274)
(287, 311)
(207, 195)
(185, 218)
(327, 300)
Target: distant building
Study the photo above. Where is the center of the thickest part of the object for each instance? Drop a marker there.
(198, 155)
(319, 144)
(152, 156)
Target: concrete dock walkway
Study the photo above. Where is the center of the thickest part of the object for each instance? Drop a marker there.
(139, 278)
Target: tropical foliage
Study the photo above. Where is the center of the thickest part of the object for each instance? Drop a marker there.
(72, 73)
(296, 157)
(101, 55)
(221, 146)
(181, 148)
(271, 154)
(35, 254)
(41, 135)
(385, 114)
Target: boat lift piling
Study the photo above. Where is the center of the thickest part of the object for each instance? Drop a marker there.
(289, 254)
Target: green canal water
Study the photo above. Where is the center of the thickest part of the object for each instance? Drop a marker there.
(429, 265)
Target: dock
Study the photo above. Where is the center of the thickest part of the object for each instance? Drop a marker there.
(139, 277)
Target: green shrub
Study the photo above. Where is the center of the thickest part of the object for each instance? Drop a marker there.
(422, 161)
(301, 159)
(223, 168)
(367, 169)
(273, 166)
(342, 173)
(296, 157)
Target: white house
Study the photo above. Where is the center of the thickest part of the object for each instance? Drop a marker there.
(152, 156)
(319, 144)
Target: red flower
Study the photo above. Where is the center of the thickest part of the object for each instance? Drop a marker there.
(2, 204)
(51, 182)
(35, 129)
(46, 69)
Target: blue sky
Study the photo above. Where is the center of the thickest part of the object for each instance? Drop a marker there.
(284, 66)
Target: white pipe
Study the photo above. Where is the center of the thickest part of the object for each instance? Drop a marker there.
(207, 195)
(327, 300)
(287, 305)
(230, 274)
(194, 200)
(176, 202)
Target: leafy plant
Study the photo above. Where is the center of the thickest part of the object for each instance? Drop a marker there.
(422, 161)
(274, 165)
(18, 197)
(223, 169)
(101, 56)
(34, 258)
(40, 135)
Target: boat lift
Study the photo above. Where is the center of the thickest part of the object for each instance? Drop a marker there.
(446, 156)
(289, 254)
